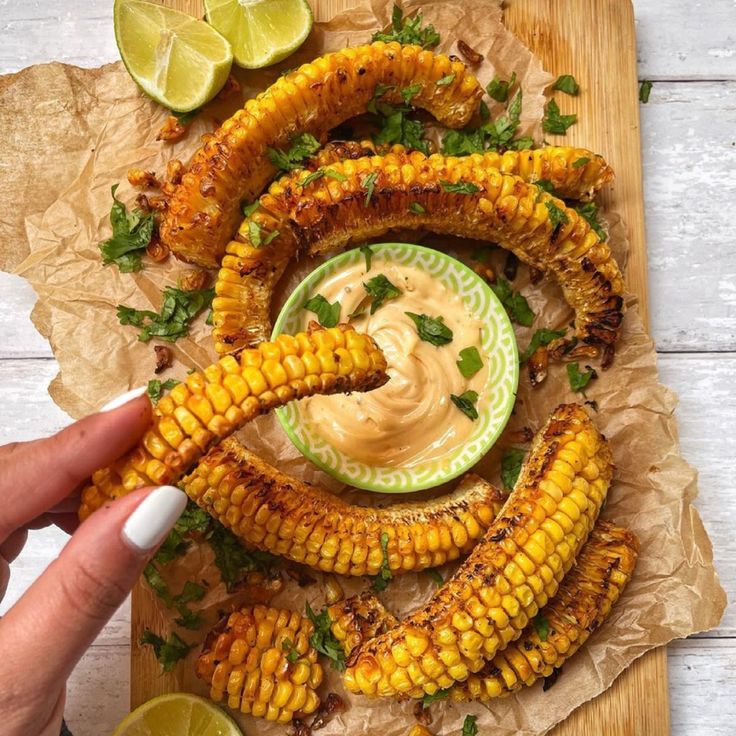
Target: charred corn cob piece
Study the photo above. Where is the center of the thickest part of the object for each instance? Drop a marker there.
(585, 598)
(510, 574)
(275, 512)
(262, 663)
(496, 202)
(211, 405)
(232, 166)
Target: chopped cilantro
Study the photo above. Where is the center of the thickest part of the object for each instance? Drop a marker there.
(460, 187)
(645, 90)
(167, 652)
(192, 520)
(379, 288)
(255, 233)
(446, 80)
(131, 235)
(539, 339)
(416, 208)
(553, 122)
(249, 209)
(156, 387)
(498, 89)
(302, 146)
(396, 127)
(431, 329)
(567, 83)
(541, 624)
(463, 142)
(158, 584)
(427, 700)
(368, 254)
(556, 215)
(469, 362)
(323, 640)
(291, 653)
(511, 463)
(381, 581)
(314, 176)
(579, 380)
(545, 185)
(578, 163)
(501, 131)
(178, 309)
(470, 727)
(328, 315)
(434, 576)
(408, 93)
(188, 619)
(466, 403)
(409, 31)
(514, 303)
(369, 185)
(333, 174)
(589, 212)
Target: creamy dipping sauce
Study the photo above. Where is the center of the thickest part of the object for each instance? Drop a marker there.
(411, 419)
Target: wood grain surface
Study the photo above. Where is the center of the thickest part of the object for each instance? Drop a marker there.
(570, 37)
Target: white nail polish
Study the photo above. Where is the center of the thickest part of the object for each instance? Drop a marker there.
(147, 526)
(119, 401)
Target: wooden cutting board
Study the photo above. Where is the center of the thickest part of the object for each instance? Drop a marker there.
(596, 41)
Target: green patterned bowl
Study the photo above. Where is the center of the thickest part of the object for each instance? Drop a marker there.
(498, 347)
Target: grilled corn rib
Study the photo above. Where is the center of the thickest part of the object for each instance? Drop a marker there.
(282, 515)
(501, 205)
(511, 573)
(585, 598)
(232, 166)
(211, 405)
(262, 663)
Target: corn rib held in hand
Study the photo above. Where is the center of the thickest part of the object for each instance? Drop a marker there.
(282, 515)
(585, 598)
(263, 664)
(510, 574)
(232, 167)
(211, 405)
(482, 196)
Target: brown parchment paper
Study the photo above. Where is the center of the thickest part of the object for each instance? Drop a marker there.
(69, 134)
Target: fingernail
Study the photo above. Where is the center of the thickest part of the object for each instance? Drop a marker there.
(152, 520)
(117, 402)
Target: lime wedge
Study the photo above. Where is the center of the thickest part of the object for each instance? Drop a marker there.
(261, 32)
(178, 60)
(177, 714)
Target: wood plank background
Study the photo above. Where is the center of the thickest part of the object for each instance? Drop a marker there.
(689, 156)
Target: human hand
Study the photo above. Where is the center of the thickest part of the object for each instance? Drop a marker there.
(47, 631)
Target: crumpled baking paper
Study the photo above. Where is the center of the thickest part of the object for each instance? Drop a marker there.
(69, 134)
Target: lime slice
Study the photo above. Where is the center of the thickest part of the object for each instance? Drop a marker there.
(178, 60)
(177, 714)
(261, 32)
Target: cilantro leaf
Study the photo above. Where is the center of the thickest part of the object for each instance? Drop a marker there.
(645, 90)
(178, 309)
(381, 581)
(193, 520)
(156, 387)
(511, 463)
(466, 403)
(463, 142)
(188, 619)
(545, 185)
(434, 576)
(556, 215)
(190, 592)
(255, 233)
(368, 254)
(314, 176)
(396, 127)
(369, 185)
(522, 144)
(302, 146)
(578, 163)
(158, 584)
(498, 89)
(323, 640)
(469, 362)
(539, 339)
(578, 381)
(328, 315)
(589, 212)
(291, 653)
(427, 700)
(249, 209)
(131, 235)
(409, 31)
(501, 131)
(333, 174)
(446, 80)
(469, 726)
(460, 187)
(553, 122)
(167, 652)
(568, 84)
(514, 303)
(541, 624)
(431, 329)
(416, 208)
(379, 288)
(408, 93)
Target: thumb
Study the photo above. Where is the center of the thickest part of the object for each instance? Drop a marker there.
(64, 610)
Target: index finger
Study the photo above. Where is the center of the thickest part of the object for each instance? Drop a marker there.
(35, 476)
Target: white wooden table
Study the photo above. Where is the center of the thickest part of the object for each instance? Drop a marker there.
(688, 48)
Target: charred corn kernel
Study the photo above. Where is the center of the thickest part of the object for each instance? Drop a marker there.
(341, 537)
(489, 576)
(199, 413)
(232, 167)
(505, 214)
(585, 598)
(250, 660)
(333, 591)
